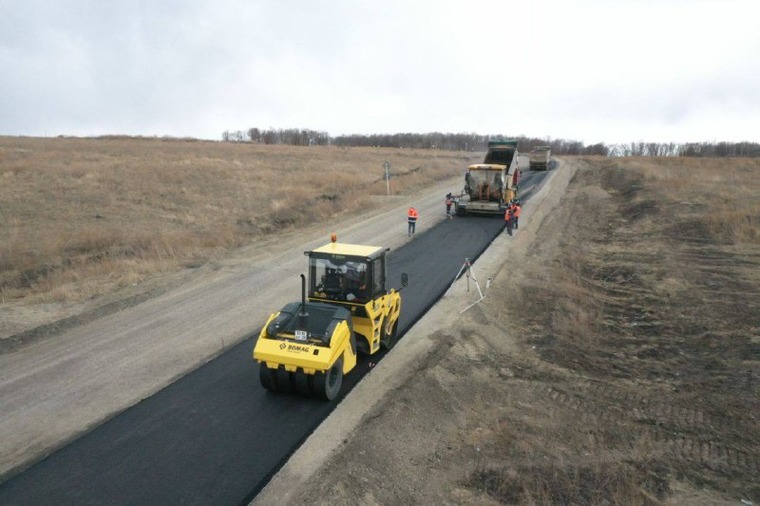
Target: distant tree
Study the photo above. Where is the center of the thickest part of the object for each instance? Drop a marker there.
(477, 142)
(598, 149)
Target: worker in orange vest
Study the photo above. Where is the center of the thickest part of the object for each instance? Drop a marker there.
(411, 218)
(509, 218)
(516, 210)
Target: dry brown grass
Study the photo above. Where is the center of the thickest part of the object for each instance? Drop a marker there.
(724, 193)
(80, 217)
(639, 374)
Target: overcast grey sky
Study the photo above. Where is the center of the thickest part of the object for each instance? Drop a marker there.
(590, 70)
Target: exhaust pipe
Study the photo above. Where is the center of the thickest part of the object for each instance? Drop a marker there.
(302, 314)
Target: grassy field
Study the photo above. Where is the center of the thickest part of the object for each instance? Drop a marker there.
(645, 335)
(81, 217)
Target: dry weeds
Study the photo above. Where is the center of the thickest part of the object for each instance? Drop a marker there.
(80, 217)
(638, 378)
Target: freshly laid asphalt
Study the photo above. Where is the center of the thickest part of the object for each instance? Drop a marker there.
(215, 436)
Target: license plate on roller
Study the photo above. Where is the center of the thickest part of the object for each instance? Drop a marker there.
(301, 335)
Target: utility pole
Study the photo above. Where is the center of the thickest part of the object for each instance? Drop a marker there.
(387, 167)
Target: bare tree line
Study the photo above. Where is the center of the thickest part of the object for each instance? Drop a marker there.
(433, 140)
(477, 142)
(288, 136)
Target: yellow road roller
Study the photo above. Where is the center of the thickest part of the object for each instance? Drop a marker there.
(346, 308)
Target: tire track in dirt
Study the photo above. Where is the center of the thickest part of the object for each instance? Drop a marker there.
(669, 424)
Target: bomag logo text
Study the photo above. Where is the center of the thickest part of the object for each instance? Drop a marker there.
(298, 348)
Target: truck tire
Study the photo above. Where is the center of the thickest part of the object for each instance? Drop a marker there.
(389, 335)
(327, 385)
(284, 381)
(301, 382)
(266, 377)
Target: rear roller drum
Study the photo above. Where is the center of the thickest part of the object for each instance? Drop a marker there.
(389, 335)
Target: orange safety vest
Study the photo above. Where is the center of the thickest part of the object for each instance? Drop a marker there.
(412, 215)
(517, 211)
(507, 215)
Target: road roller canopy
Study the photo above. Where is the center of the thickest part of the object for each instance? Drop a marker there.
(347, 250)
(346, 272)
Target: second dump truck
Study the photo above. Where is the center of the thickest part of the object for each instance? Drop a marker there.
(539, 157)
(347, 308)
(490, 185)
